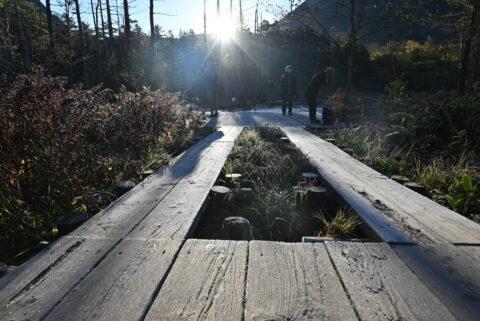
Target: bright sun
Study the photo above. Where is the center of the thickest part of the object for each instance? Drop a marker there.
(224, 28)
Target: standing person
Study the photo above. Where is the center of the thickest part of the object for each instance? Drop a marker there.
(288, 89)
(211, 72)
(318, 81)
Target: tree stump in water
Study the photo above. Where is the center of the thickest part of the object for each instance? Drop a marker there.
(237, 228)
(400, 179)
(234, 156)
(310, 178)
(317, 199)
(349, 151)
(243, 195)
(124, 186)
(146, 173)
(69, 222)
(3, 269)
(419, 188)
(218, 197)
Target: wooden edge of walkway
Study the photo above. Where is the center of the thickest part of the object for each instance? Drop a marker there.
(413, 218)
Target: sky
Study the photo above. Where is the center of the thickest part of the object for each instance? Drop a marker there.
(188, 14)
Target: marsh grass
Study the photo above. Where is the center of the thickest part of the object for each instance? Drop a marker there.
(271, 167)
(450, 178)
(344, 223)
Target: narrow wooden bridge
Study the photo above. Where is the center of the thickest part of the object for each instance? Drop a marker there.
(136, 260)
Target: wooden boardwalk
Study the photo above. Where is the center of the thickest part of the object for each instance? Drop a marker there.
(135, 261)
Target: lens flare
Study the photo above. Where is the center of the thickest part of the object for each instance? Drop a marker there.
(224, 28)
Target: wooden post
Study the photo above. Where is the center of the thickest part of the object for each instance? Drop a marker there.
(237, 228)
(419, 188)
(124, 186)
(218, 195)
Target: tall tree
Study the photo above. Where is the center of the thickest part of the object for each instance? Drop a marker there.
(127, 30)
(50, 27)
(467, 48)
(109, 24)
(241, 14)
(23, 40)
(83, 44)
(152, 26)
(97, 37)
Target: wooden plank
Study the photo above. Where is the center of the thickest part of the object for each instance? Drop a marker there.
(345, 185)
(449, 273)
(425, 220)
(472, 251)
(438, 219)
(381, 286)
(123, 215)
(178, 213)
(41, 283)
(207, 282)
(122, 286)
(287, 281)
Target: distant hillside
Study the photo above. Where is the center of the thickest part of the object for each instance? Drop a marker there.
(379, 21)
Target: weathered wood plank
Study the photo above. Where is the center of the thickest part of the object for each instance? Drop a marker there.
(71, 258)
(424, 220)
(178, 213)
(206, 282)
(449, 273)
(445, 223)
(40, 284)
(122, 286)
(293, 282)
(346, 186)
(381, 286)
(472, 251)
(123, 215)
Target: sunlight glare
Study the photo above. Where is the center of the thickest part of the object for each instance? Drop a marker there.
(224, 28)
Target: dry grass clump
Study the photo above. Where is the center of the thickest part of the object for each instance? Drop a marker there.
(344, 223)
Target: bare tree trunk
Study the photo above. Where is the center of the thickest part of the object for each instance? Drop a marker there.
(465, 63)
(152, 26)
(106, 50)
(353, 45)
(118, 19)
(7, 36)
(97, 38)
(25, 48)
(241, 14)
(109, 23)
(83, 44)
(152, 43)
(51, 37)
(127, 28)
(69, 40)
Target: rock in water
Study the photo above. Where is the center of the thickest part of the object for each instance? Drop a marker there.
(400, 179)
(69, 222)
(124, 186)
(3, 269)
(237, 228)
(419, 188)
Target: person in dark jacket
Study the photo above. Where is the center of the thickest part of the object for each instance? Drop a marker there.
(318, 82)
(212, 86)
(288, 89)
